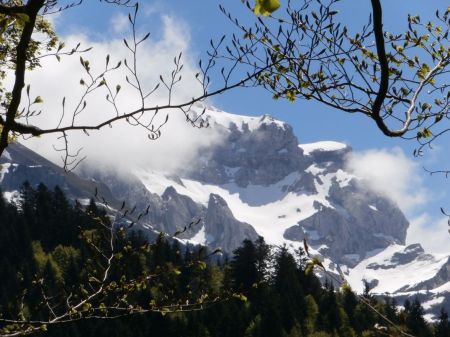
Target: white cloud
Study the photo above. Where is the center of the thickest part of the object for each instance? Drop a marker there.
(391, 173)
(120, 23)
(121, 145)
(399, 177)
(153, 8)
(431, 232)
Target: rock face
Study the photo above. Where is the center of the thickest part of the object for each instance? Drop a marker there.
(258, 152)
(331, 159)
(173, 212)
(178, 210)
(20, 164)
(170, 212)
(222, 228)
(409, 254)
(359, 221)
(353, 220)
(376, 215)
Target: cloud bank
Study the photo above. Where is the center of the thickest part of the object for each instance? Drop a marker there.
(431, 232)
(121, 145)
(391, 173)
(399, 177)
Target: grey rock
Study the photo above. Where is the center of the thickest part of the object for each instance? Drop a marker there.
(262, 157)
(386, 221)
(440, 278)
(173, 212)
(127, 188)
(179, 212)
(26, 165)
(411, 253)
(304, 185)
(221, 227)
(295, 233)
(330, 160)
(351, 226)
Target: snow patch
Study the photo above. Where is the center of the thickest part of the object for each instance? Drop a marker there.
(433, 302)
(199, 238)
(6, 155)
(408, 274)
(243, 123)
(325, 146)
(343, 178)
(156, 182)
(11, 197)
(4, 169)
(84, 201)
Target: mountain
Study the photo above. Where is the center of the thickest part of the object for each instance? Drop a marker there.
(19, 164)
(259, 181)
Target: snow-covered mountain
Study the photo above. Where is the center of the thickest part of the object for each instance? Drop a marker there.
(259, 181)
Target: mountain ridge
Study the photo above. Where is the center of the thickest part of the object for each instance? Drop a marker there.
(260, 181)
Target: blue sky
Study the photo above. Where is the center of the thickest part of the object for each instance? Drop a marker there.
(200, 20)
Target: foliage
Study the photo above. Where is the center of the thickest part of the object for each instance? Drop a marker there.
(398, 79)
(266, 7)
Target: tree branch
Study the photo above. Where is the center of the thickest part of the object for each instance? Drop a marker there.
(31, 9)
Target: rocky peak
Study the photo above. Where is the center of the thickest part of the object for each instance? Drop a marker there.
(221, 227)
(178, 211)
(330, 155)
(169, 193)
(255, 150)
(355, 222)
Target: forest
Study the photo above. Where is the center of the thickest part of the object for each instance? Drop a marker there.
(172, 289)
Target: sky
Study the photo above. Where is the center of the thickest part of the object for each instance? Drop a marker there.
(188, 26)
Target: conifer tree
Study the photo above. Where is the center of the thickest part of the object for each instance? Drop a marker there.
(415, 320)
(442, 328)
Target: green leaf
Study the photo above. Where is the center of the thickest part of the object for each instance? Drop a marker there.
(201, 264)
(266, 7)
(424, 133)
(423, 71)
(290, 95)
(93, 279)
(240, 297)
(22, 17)
(309, 268)
(38, 100)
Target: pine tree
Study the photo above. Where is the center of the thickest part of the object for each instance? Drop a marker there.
(442, 328)
(289, 288)
(296, 330)
(312, 311)
(244, 268)
(349, 303)
(415, 321)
